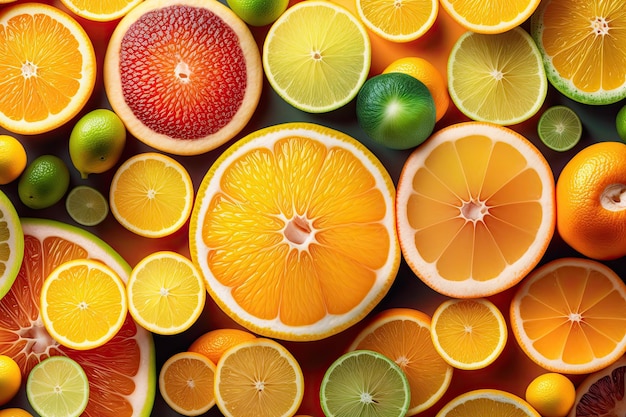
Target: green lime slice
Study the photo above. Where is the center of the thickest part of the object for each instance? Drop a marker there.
(58, 386)
(11, 244)
(86, 205)
(559, 128)
(364, 383)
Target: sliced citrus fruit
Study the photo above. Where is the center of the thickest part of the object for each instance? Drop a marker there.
(581, 42)
(487, 402)
(490, 16)
(121, 373)
(58, 386)
(185, 77)
(100, 10)
(294, 231)
(403, 335)
(316, 56)
(559, 128)
(469, 333)
(602, 392)
(50, 71)
(11, 244)
(215, 342)
(365, 383)
(259, 377)
(396, 21)
(166, 293)
(475, 209)
(568, 316)
(151, 194)
(86, 205)
(497, 78)
(186, 382)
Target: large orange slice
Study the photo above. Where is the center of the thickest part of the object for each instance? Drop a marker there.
(293, 229)
(121, 373)
(489, 16)
(100, 10)
(184, 77)
(475, 209)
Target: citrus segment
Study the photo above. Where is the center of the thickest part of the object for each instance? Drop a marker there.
(294, 231)
(184, 78)
(487, 402)
(601, 392)
(48, 68)
(403, 335)
(490, 16)
(215, 342)
(11, 244)
(398, 21)
(316, 56)
(568, 316)
(100, 10)
(475, 209)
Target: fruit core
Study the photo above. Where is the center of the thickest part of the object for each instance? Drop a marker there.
(474, 210)
(600, 26)
(613, 197)
(298, 231)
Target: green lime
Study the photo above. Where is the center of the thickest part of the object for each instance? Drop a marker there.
(258, 12)
(364, 383)
(58, 386)
(396, 110)
(86, 205)
(620, 123)
(559, 128)
(44, 182)
(97, 142)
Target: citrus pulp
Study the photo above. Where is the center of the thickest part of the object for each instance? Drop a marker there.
(398, 21)
(490, 16)
(487, 402)
(100, 10)
(601, 392)
(11, 244)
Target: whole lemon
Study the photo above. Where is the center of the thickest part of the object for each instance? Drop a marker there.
(551, 394)
(258, 12)
(15, 412)
(44, 182)
(97, 142)
(12, 159)
(10, 379)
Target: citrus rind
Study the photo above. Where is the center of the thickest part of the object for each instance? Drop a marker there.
(13, 254)
(510, 404)
(491, 6)
(408, 31)
(93, 14)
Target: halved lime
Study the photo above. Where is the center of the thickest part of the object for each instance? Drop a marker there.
(364, 383)
(11, 244)
(559, 128)
(86, 205)
(58, 386)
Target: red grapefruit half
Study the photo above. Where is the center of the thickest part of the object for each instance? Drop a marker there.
(184, 77)
(122, 372)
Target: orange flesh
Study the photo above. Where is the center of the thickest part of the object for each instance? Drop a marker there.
(182, 71)
(177, 377)
(499, 11)
(475, 208)
(301, 224)
(487, 406)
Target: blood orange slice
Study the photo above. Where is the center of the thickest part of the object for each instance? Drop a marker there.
(184, 78)
(121, 373)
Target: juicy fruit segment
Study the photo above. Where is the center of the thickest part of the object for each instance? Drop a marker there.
(215, 342)
(487, 402)
(567, 316)
(403, 335)
(205, 63)
(475, 209)
(364, 382)
(11, 244)
(551, 394)
(44, 182)
(294, 231)
(403, 23)
(259, 377)
(581, 44)
(490, 16)
(497, 78)
(559, 128)
(602, 392)
(122, 372)
(52, 63)
(316, 56)
(12, 159)
(86, 205)
(100, 10)
(10, 379)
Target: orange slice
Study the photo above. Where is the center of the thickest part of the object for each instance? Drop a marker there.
(490, 16)
(475, 209)
(487, 402)
(100, 10)
(294, 231)
(50, 71)
(398, 21)
(568, 316)
(403, 335)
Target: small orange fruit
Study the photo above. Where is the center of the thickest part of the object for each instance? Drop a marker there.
(214, 343)
(10, 379)
(591, 201)
(552, 394)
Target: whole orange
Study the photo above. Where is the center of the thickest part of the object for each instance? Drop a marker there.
(215, 342)
(591, 201)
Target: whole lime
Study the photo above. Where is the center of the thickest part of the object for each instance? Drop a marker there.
(12, 159)
(44, 182)
(97, 142)
(396, 110)
(258, 12)
(620, 123)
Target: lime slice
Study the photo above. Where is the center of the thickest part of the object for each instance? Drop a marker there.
(559, 128)
(86, 205)
(58, 386)
(11, 244)
(364, 383)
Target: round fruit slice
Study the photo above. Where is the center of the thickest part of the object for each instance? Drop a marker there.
(51, 62)
(581, 42)
(497, 78)
(364, 382)
(11, 244)
(294, 231)
(490, 16)
(121, 373)
(475, 209)
(487, 402)
(86, 205)
(403, 335)
(568, 316)
(316, 56)
(396, 22)
(100, 10)
(559, 128)
(185, 77)
(602, 393)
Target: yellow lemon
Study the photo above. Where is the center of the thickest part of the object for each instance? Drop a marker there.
(12, 159)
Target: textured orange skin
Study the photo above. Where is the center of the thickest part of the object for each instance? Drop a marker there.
(582, 221)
